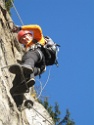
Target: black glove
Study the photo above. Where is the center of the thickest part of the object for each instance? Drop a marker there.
(16, 29)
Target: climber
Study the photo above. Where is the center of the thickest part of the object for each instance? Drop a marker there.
(40, 52)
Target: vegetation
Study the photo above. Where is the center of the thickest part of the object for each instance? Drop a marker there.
(55, 113)
(66, 120)
(8, 5)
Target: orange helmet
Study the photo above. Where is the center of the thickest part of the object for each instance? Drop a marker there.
(21, 33)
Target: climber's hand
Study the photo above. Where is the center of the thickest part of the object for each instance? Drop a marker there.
(16, 29)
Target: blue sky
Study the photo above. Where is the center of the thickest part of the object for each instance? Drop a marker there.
(70, 23)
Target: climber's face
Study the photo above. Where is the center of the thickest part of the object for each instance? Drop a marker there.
(26, 39)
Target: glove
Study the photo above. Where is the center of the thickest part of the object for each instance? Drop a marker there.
(16, 29)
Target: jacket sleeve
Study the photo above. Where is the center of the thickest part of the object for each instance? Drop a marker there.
(37, 31)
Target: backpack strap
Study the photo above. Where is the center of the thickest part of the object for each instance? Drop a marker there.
(57, 50)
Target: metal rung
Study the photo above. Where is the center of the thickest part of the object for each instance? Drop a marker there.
(7, 66)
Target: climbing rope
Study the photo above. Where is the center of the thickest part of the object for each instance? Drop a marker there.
(42, 88)
(17, 13)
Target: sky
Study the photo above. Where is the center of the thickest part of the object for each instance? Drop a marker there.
(70, 23)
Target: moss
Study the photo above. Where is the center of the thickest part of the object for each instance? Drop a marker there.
(8, 5)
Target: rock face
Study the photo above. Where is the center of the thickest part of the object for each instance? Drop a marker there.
(10, 51)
